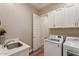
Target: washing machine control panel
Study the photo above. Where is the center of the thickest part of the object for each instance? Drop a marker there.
(56, 38)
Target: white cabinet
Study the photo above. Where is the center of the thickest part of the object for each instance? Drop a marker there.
(72, 16)
(36, 32)
(56, 18)
(77, 15)
(64, 17)
(51, 19)
(59, 18)
(70, 19)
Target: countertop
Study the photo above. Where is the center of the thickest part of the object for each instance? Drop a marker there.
(8, 52)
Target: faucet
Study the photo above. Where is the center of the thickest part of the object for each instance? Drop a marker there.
(5, 44)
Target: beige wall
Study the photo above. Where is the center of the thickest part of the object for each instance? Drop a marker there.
(17, 20)
(65, 31)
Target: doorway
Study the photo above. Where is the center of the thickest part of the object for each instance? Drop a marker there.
(40, 33)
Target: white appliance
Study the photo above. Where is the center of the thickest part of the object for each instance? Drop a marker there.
(71, 46)
(53, 45)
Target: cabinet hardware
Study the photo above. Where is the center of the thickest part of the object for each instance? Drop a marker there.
(53, 25)
(77, 23)
(58, 45)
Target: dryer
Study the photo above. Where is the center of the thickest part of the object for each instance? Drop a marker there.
(71, 46)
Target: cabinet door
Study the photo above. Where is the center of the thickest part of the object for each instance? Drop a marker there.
(77, 15)
(36, 32)
(70, 19)
(51, 19)
(59, 18)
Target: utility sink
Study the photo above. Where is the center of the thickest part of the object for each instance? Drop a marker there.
(13, 45)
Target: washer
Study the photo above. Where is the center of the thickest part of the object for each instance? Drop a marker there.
(53, 45)
(71, 46)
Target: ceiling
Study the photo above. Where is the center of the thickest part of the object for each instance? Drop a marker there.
(39, 5)
(45, 7)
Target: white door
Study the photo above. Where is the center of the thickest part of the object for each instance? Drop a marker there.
(70, 16)
(36, 32)
(59, 18)
(51, 19)
(77, 14)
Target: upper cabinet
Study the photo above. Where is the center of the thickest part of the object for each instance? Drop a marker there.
(59, 17)
(77, 15)
(64, 17)
(56, 18)
(70, 16)
(51, 19)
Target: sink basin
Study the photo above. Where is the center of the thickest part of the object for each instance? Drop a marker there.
(13, 45)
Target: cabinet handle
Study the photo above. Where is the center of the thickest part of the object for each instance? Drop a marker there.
(53, 25)
(58, 45)
(77, 23)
